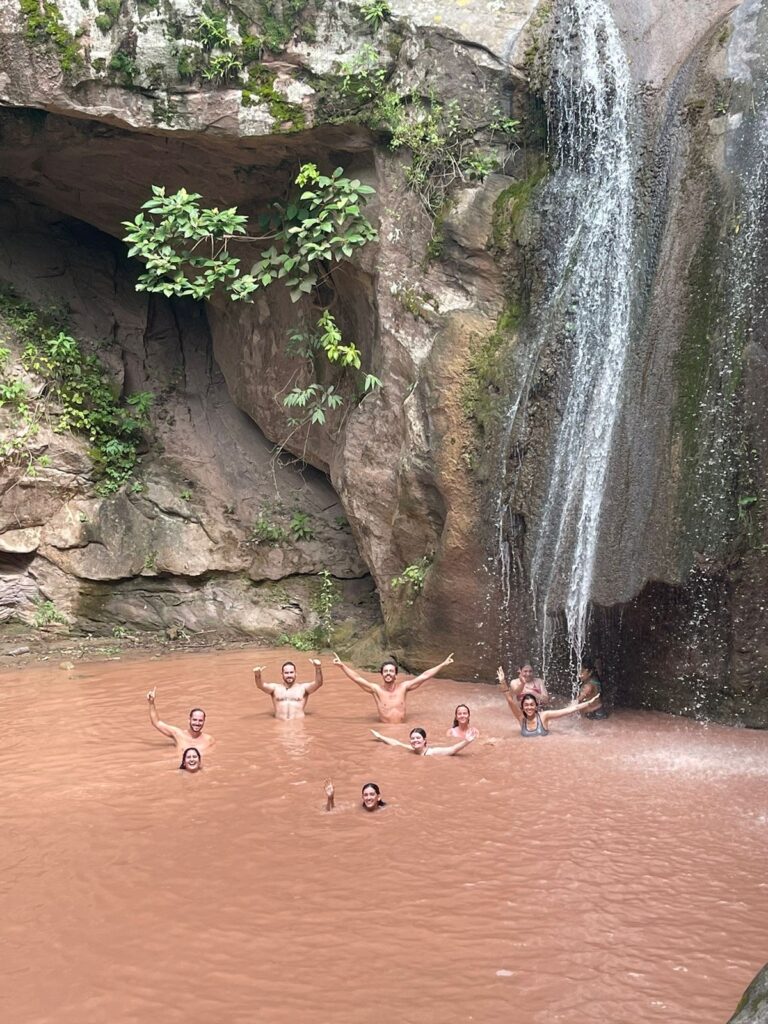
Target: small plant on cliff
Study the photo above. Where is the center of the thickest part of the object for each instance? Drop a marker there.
(301, 527)
(78, 384)
(45, 25)
(324, 601)
(376, 12)
(265, 531)
(412, 578)
(47, 614)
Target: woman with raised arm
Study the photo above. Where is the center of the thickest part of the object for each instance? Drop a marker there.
(528, 682)
(418, 744)
(534, 722)
(461, 729)
(371, 797)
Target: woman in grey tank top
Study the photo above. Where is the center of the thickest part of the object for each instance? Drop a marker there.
(534, 722)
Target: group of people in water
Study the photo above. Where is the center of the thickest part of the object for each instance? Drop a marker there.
(526, 696)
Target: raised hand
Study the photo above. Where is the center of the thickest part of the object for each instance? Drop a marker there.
(315, 662)
(328, 788)
(336, 659)
(500, 676)
(259, 668)
(151, 695)
(449, 659)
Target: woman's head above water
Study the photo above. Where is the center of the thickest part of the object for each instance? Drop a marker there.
(529, 705)
(372, 797)
(418, 738)
(461, 716)
(191, 761)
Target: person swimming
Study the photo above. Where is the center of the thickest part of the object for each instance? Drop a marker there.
(191, 761)
(418, 744)
(461, 728)
(371, 797)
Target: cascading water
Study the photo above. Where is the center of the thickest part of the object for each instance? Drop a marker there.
(590, 198)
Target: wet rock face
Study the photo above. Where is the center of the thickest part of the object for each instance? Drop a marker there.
(753, 1005)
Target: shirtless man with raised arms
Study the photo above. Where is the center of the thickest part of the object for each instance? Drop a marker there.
(289, 698)
(192, 736)
(390, 694)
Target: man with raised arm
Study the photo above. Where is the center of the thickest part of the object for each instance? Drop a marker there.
(390, 694)
(289, 698)
(192, 736)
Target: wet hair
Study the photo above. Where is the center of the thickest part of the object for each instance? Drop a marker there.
(529, 696)
(373, 786)
(419, 730)
(189, 750)
(285, 665)
(524, 664)
(390, 661)
(456, 713)
(589, 665)
(194, 710)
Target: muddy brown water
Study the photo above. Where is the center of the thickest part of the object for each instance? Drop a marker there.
(612, 873)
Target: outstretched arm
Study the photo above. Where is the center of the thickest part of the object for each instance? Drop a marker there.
(389, 741)
(351, 674)
(509, 693)
(413, 683)
(166, 730)
(318, 676)
(586, 705)
(266, 687)
(449, 751)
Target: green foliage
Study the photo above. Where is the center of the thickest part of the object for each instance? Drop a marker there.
(323, 603)
(211, 30)
(324, 600)
(124, 66)
(300, 526)
(260, 87)
(45, 25)
(78, 384)
(186, 247)
(375, 12)
(109, 11)
(185, 495)
(47, 614)
(265, 531)
(222, 67)
(186, 250)
(304, 640)
(412, 578)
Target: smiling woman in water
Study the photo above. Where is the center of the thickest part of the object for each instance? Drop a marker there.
(461, 729)
(418, 744)
(533, 722)
(191, 761)
(371, 795)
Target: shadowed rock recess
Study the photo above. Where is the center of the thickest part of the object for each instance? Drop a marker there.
(447, 469)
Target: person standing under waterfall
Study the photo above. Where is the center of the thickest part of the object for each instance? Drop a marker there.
(390, 694)
(591, 688)
(528, 682)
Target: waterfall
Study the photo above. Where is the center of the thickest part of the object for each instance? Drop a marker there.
(590, 201)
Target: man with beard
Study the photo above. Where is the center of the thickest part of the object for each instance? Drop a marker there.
(192, 736)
